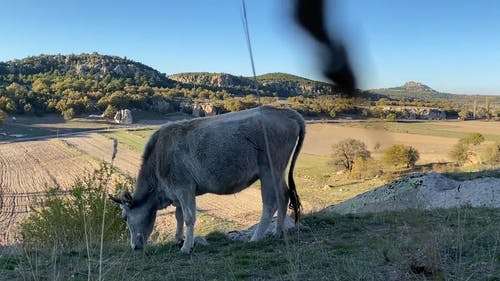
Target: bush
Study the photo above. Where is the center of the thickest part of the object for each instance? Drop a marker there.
(401, 155)
(491, 154)
(71, 220)
(365, 169)
(3, 117)
(110, 112)
(460, 153)
(392, 117)
(68, 114)
(346, 151)
(473, 138)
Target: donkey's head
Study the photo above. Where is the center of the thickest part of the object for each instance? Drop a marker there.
(139, 216)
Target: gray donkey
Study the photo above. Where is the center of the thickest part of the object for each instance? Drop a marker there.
(223, 154)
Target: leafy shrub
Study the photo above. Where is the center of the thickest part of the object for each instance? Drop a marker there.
(473, 138)
(391, 117)
(365, 169)
(345, 152)
(71, 220)
(491, 154)
(3, 117)
(110, 111)
(401, 155)
(459, 153)
(68, 114)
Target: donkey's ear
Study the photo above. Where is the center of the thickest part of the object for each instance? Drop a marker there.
(115, 199)
(124, 198)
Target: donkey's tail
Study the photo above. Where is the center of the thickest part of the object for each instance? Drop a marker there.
(295, 204)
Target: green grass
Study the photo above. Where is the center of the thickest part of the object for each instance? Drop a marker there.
(458, 244)
(317, 183)
(134, 139)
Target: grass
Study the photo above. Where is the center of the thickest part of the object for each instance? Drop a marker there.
(458, 244)
(317, 183)
(134, 139)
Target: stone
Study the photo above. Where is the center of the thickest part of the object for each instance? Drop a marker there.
(124, 116)
(245, 235)
(424, 192)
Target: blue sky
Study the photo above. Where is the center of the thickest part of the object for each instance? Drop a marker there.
(452, 46)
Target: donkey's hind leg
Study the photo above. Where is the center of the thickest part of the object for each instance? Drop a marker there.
(268, 206)
(282, 203)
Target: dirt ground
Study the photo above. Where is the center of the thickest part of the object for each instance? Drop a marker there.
(320, 138)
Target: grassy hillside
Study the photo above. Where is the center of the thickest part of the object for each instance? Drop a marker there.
(460, 244)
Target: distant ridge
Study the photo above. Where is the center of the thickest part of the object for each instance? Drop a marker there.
(416, 87)
(276, 84)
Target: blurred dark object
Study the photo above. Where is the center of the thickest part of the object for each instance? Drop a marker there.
(310, 15)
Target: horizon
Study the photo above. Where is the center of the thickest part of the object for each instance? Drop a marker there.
(450, 46)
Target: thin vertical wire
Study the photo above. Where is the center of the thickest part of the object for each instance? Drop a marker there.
(266, 140)
(249, 46)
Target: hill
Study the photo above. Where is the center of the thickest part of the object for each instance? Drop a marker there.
(95, 83)
(270, 84)
(73, 84)
(85, 66)
(412, 86)
(419, 92)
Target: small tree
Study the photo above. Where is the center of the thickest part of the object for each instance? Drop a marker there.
(460, 152)
(463, 114)
(68, 114)
(391, 117)
(473, 138)
(110, 111)
(365, 169)
(487, 107)
(401, 155)
(3, 117)
(345, 152)
(491, 154)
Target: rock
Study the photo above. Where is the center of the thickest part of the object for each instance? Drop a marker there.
(245, 235)
(198, 111)
(424, 192)
(413, 112)
(160, 105)
(203, 109)
(124, 116)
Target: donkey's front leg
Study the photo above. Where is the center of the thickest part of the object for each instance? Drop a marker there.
(188, 204)
(179, 233)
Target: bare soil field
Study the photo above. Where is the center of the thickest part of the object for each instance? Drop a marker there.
(27, 170)
(433, 139)
(480, 126)
(321, 137)
(100, 148)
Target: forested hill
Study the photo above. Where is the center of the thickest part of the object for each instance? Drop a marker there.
(271, 84)
(94, 66)
(94, 83)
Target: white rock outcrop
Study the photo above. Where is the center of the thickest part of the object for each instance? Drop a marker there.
(424, 192)
(124, 116)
